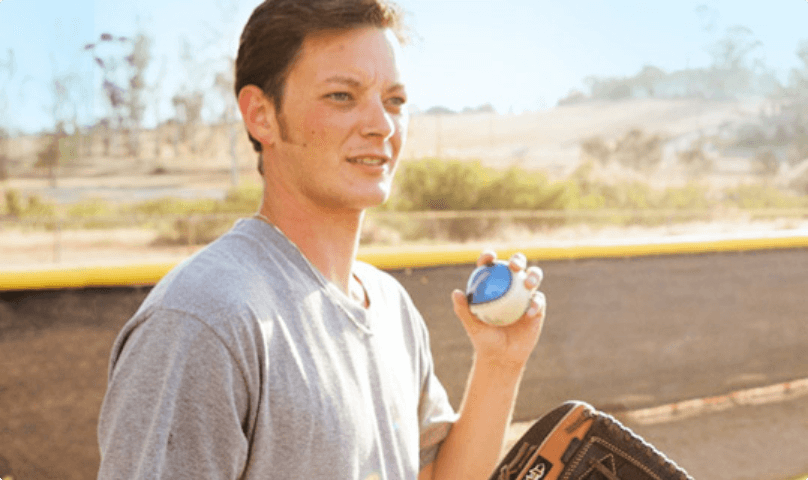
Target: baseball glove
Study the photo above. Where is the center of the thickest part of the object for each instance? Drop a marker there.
(577, 442)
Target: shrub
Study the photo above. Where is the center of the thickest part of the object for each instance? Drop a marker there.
(93, 213)
(519, 189)
(90, 208)
(639, 151)
(201, 221)
(436, 185)
(243, 199)
(168, 206)
(756, 196)
(193, 229)
(597, 149)
(766, 163)
(39, 208)
(695, 160)
(636, 150)
(692, 196)
(14, 206)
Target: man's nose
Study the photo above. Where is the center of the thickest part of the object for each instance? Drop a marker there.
(377, 121)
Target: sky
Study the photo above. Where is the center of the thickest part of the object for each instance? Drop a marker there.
(517, 55)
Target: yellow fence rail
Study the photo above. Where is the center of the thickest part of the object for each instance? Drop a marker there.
(390, 258)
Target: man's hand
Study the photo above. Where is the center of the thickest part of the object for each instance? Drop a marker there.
(474, 444)
(512, 344)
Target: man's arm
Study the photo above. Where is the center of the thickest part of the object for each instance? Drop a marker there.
(474, 445)
(174, 406)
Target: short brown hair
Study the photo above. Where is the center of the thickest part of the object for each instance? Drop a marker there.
(274, 34)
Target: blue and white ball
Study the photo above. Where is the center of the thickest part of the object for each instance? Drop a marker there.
(496, 294)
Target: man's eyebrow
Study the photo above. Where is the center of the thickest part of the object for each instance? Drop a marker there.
(343, 79)
(353, 82)
(396, 86)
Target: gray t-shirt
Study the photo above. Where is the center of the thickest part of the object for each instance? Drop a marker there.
(245, 362)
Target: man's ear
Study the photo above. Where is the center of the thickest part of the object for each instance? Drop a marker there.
(258, 113)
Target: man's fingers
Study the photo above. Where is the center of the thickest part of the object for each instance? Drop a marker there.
(486, 257)
(517, 262)
(538, 305)
(534, 277)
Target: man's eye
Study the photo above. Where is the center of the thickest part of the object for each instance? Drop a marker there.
(340, 96)
(397, 101)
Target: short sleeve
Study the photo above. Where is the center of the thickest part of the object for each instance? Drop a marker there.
(175, 406)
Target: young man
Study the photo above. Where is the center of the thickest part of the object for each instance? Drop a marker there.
(273, 353)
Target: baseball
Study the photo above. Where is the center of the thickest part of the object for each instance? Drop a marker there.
(496, 294)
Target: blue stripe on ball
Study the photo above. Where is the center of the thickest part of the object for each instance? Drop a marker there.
(488, 283)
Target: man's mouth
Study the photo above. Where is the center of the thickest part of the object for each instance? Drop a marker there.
(369, 161)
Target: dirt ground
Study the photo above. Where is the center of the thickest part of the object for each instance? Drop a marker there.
(621, 334)
(626, 334)
(54, 348)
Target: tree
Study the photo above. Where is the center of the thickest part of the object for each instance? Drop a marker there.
(224, 82)
(48, 157)
(572, 98)
(4, 136)
(106, 52)
(648, 78)
(639, 151)
(61, 147)
(138, 61)
(730, 72)
(766, 163)
(695, 160)
(795, 97)
(189, 114)
(731, 51)
(596, 148)
(190, 100)
(123, 61)
(155, 95)
(609, 88)
(798, 80)
(8, 66)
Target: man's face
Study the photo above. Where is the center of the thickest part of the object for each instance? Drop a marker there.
(342, 122)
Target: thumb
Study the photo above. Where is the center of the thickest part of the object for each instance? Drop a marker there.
(460, 303)
(462, 311)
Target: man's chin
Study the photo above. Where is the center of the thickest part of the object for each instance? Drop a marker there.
(375, 201)
(376, 195)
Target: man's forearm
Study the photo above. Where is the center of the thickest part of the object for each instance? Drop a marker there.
(475, 443)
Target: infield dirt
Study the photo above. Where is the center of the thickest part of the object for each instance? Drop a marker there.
(621, 334)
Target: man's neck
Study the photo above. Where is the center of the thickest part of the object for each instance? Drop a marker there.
(329, 239)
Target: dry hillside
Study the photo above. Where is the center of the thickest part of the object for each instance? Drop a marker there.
(199, 163)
